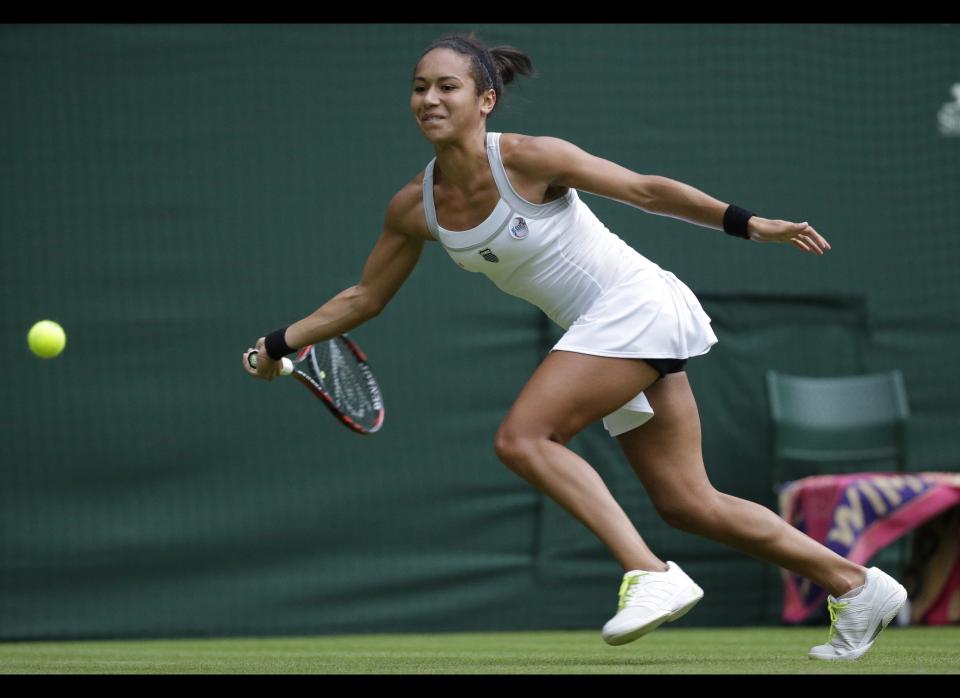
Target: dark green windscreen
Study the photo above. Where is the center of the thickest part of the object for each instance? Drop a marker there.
(170, 193)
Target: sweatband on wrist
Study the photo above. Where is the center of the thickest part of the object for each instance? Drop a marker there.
(276, 344)
(735, 221)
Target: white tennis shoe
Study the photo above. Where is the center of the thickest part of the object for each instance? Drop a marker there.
(855, 623)
(648, 599)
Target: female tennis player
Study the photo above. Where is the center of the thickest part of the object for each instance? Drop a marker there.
(507, 205)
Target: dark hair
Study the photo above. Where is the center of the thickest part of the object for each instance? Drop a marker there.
(491, 68)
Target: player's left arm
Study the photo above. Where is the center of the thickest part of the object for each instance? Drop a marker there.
(564, 164)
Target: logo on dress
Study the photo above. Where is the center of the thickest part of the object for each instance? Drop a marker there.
(519, 229)
(488, 255)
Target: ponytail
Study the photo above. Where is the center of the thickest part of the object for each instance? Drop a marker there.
(511, 62)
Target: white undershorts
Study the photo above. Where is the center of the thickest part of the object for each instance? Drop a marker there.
(632, 415)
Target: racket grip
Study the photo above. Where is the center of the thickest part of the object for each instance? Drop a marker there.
(286, 365)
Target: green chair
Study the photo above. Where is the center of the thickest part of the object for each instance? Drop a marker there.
(845, 423)
(848, 423)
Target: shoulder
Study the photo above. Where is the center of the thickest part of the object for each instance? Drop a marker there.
(408, 198)
(540, 154)
(405, 210)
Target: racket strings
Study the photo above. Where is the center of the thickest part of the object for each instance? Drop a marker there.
(347, 381)
(346, 386)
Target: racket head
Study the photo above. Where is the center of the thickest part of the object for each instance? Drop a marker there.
(336, 371)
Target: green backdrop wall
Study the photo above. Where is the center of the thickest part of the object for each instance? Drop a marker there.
(169, 193)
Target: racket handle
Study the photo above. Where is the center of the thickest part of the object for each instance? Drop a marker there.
(286, 365)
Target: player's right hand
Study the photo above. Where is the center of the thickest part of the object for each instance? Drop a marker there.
(267, 368)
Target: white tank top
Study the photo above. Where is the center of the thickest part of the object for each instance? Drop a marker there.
(558, 255)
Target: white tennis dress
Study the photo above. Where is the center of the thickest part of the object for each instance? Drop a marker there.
(610, 299)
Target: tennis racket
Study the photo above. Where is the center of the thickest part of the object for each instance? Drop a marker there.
(336, 371)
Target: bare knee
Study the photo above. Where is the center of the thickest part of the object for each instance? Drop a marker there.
(688, 511)
(509, 446)
(517, 450)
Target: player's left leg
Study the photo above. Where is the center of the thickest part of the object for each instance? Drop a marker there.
(666, 455)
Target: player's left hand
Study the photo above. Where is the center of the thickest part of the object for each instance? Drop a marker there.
(800, 235)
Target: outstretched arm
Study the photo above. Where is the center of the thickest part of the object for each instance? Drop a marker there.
(390, 263)
(564, 164)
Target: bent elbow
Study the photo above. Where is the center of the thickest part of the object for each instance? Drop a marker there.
(371, 304)
(363, 302)
(374, 308)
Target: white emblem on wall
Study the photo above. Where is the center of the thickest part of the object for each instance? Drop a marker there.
(948, 117)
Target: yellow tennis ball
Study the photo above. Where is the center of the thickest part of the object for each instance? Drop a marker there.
(46, 339)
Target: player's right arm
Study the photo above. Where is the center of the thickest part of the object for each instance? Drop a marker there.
(389, 264)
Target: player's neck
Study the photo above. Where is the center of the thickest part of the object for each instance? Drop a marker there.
(462, 163)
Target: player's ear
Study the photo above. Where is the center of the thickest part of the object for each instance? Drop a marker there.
(488, 100)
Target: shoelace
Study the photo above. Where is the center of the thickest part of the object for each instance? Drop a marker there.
(652, 585)
(835, 607)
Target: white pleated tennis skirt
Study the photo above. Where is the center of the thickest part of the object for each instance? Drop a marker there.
(653, 315)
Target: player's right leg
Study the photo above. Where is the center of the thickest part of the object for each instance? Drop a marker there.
(567, 392)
